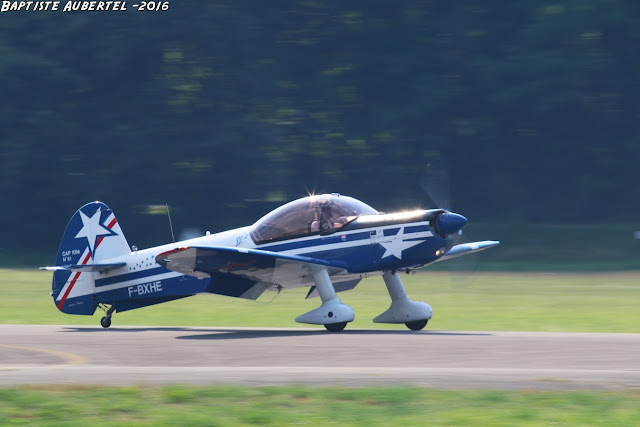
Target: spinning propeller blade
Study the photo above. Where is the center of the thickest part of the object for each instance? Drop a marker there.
(436, 185)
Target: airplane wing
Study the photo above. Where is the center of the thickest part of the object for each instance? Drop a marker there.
(468, 248)
(263, 267)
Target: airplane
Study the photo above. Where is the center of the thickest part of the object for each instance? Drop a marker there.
(327, 242)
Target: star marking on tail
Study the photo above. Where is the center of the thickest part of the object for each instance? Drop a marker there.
(92, 229)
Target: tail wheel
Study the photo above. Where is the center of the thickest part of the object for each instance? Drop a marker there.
(417, 325)
(335, 327)
(105, 321)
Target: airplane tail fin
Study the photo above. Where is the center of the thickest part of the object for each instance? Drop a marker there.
(92, 236)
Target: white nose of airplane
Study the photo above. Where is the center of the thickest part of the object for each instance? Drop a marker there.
(450, 223)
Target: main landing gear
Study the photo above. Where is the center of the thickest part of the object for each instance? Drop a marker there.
(333, 314)
(414, 314)
(105, 322)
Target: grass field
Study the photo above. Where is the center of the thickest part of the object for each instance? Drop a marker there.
(236, 406)
(570, 302)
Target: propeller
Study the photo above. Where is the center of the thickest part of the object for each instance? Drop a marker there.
(435, 183)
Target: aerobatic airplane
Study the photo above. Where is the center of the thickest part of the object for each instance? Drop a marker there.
(326, 242)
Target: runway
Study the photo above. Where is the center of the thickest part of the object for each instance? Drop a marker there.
(121, 355)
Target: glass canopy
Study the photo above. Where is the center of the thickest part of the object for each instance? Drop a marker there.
(321, 214)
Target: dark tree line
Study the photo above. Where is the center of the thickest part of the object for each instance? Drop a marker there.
(226, 109)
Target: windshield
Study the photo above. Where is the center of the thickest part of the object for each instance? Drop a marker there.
(324, 214)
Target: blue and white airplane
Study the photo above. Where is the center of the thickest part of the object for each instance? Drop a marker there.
(326, 242)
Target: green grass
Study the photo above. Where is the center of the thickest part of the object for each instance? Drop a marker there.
(570, 302)
(237, 406)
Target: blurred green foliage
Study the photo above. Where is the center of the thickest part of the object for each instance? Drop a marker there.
(226, 109)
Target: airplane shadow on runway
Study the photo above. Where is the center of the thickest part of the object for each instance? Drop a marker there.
(233, 334)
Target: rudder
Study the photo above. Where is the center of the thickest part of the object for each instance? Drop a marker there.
(93, 235)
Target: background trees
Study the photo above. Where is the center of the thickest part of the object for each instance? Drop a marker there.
(228, 109)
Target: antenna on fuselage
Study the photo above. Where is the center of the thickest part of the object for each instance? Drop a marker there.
(170, 225)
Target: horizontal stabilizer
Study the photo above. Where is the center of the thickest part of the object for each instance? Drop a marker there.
(56, 268)
(468, 248)
(86, 267)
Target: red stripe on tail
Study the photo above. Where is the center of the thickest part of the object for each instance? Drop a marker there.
(84, 261)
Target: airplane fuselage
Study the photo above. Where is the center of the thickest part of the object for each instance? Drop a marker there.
(328, 243)
(363, 252)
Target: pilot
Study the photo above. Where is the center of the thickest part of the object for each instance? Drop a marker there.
(331, 221)
(325, 217)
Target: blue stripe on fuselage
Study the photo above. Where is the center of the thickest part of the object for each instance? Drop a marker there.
(391, 231)
(322, 240)
(131, 276)
(140, 295)
(416, 229)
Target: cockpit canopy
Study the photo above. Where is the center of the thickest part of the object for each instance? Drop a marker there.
(322, 214)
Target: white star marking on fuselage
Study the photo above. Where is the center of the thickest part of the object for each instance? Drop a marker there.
(92, 229)
(397, 245)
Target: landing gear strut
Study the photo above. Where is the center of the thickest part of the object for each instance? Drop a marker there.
(106, 319)
(332, 314)
(413, 314)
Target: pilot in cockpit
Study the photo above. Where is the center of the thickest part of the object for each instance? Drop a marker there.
(331, 220)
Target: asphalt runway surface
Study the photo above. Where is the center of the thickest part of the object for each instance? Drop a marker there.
(129, 355)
